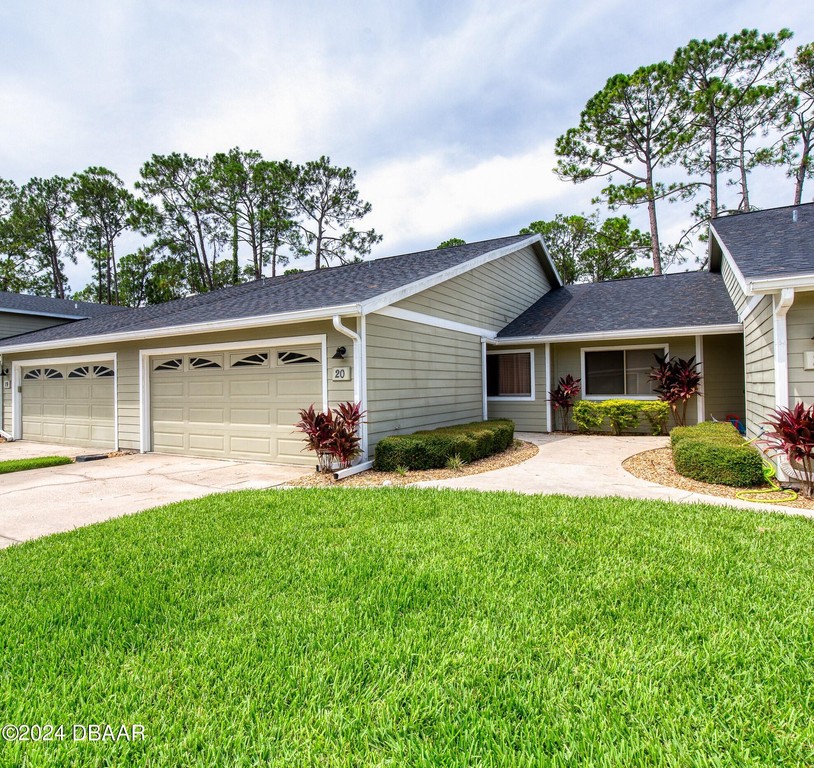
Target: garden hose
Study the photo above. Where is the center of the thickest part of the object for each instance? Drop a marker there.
(769, 474)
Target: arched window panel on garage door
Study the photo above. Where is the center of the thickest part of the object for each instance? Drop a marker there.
(80, 372)
(210, 362)
(169, 364)
(102, 372)
(248, 359)
(292, 357)
(43, 373)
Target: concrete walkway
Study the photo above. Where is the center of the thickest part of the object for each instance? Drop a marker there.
(42, 501)
(590, 465)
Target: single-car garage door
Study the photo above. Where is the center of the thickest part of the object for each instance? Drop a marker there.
(238, 404)
(69, 404)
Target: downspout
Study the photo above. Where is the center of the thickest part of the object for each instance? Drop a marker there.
(782, 304)
(3, 378)
(549, 427)
(359, 374)
(483, 378)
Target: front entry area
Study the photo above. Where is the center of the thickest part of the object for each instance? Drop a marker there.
(235, 403)
(69, 404)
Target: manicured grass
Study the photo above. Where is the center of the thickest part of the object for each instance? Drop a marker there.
(38, 462)
(407, 627)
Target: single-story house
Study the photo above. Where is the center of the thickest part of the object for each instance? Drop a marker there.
(421, 340)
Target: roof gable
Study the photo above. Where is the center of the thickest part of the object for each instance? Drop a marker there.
(776, 242)
(360, 286)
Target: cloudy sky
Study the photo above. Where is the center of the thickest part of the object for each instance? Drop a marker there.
(447, 110)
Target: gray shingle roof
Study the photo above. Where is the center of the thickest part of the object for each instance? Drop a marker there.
(669, 301)
(770, 243)
(20, 302)
(318, 289)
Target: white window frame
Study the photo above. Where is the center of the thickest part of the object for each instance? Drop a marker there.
(665, 346)
(512, 398)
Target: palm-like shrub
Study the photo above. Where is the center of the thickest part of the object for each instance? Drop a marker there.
(791, 434)
(333, 435)
(562, 397)
(677, 382)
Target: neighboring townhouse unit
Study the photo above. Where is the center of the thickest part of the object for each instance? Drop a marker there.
(20, 313)
(421, 340)
(767, 261)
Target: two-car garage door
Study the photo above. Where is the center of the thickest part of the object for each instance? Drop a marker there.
(239, 404)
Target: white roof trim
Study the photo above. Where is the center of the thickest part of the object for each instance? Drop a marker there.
(731, 261)
(435, 322)
(405, 291)
(322, 313)
(633, 333)
(11, 311)
(774, 284)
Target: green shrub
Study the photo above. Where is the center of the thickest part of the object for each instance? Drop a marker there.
(623, 415)
(716, 453)
(720, 430)
(432, 449)
(588, 415)
(657, 414)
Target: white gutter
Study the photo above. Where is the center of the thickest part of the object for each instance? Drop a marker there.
(359, 375)
(803, 282)
(259, 321)
(635, 333)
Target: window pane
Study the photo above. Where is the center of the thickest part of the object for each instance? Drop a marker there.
(508, 375)
(605, 373)
(638, 364)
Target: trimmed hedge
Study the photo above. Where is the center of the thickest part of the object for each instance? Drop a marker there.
(622, 415)
(431, 449)
(714, 452)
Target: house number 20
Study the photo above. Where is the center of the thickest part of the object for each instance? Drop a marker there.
(341, 374)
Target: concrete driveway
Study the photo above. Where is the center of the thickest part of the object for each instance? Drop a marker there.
(43, 501)
(590, 465)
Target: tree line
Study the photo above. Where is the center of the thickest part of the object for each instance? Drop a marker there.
(694, 128)
(206, 222)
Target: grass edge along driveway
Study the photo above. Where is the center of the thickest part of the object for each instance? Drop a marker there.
(415, 627)
(37, 462)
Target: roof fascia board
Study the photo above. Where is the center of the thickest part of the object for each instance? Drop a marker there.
(12, 311)
(774, 284)
(284, 318)
(730, 259)
(633, 333)
(552, 266)
(405, 291)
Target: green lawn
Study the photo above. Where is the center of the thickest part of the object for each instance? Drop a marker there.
(38, 462)
(405, 627)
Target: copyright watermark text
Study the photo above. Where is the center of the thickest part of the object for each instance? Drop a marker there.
(75, 732)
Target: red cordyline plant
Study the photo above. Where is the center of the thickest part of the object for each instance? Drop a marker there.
(677, 381)
(791, 434)
(332, 435)
(562, 398)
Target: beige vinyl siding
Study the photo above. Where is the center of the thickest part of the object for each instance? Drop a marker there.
(567, 358)
(128, 366)
(489, 296)
(800, 329)
(12, 324)
(731, 282)
(527, 415)
(420, 377)
(722, 371)
(758, 331)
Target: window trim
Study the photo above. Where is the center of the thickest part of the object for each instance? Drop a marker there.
(665, 346)
(513, 398)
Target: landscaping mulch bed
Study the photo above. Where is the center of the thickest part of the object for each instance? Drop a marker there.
(519, 452)
(657, 467)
